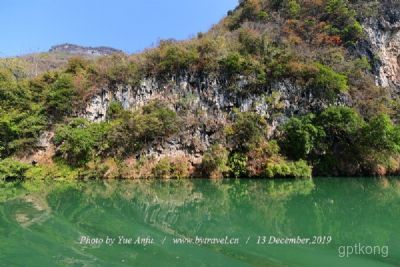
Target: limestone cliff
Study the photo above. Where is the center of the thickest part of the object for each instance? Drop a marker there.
(383, 44)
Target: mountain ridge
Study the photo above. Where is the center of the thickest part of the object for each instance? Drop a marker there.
(84, 50)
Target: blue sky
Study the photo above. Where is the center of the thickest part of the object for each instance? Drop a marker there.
(131, 25)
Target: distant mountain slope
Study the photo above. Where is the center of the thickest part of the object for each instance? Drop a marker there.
(83, 51)
(34, 64)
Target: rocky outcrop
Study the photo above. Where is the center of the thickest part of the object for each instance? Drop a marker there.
(383, 40)
(207, 94)
(82, 50)
(207, 105)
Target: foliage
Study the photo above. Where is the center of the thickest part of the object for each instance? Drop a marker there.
(12, 170)
(215, 162)
(380, 146)
(171, 168)
(114, 69)
(171, 57)
(79, 140)
(247, 129)
(340, 142)
(233, 64)
(114, 110)
(19, 131)
(238, 165)
(300, 137)
(60, 98)
(327, 83)
(343, 20)
(298, 169)
(251, 42)
(132, 131)
(258, 47)
(293, 8)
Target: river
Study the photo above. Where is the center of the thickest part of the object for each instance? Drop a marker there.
(320, 222)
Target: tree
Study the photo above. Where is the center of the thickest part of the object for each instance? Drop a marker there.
(247, 129)
(327, 83)
(300, 137)
(215, 162)
(380, 145)
(78, 141)
(60, 98)
(132, 131)
(339, 151)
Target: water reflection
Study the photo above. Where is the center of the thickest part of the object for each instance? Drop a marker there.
(50, 218)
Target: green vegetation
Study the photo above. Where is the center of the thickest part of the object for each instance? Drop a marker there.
(131, 131)
(79, 140)
(327, 84)
(215, 162)
(12, 170)
(169, 168)
(298, 169)
(339, 141)
(343, 20)
(60, 98)
(247, 129)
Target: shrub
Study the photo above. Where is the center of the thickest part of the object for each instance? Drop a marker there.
(164, 116)
(76, 65)
(12, 94)
(300, 137)
(327, 83)
(19, 131)
(343, 20)
(251, 42)
(293, 8)
(352, 32)
(238, 165)
(250, 9)
(284, 169)
(340, 122)
(114, 111)
(215, 162)
(8, 133)
(12, 170)
(247, 129)
(232, 65)
(171, 58)
(262, 16)
(260, 153)
(338, 151)
(276, 58)
(171, 168)
(132, 131)
(210, 50)
(78, 141)
(115, 69)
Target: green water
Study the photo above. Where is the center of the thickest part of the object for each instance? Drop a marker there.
(44, 227)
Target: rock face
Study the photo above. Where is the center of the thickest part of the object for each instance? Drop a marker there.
(81, 50)
(383, 38)
(207, 94)
(206, 105)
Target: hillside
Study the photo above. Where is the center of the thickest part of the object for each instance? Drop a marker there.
(32, 65)
(290, 88)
